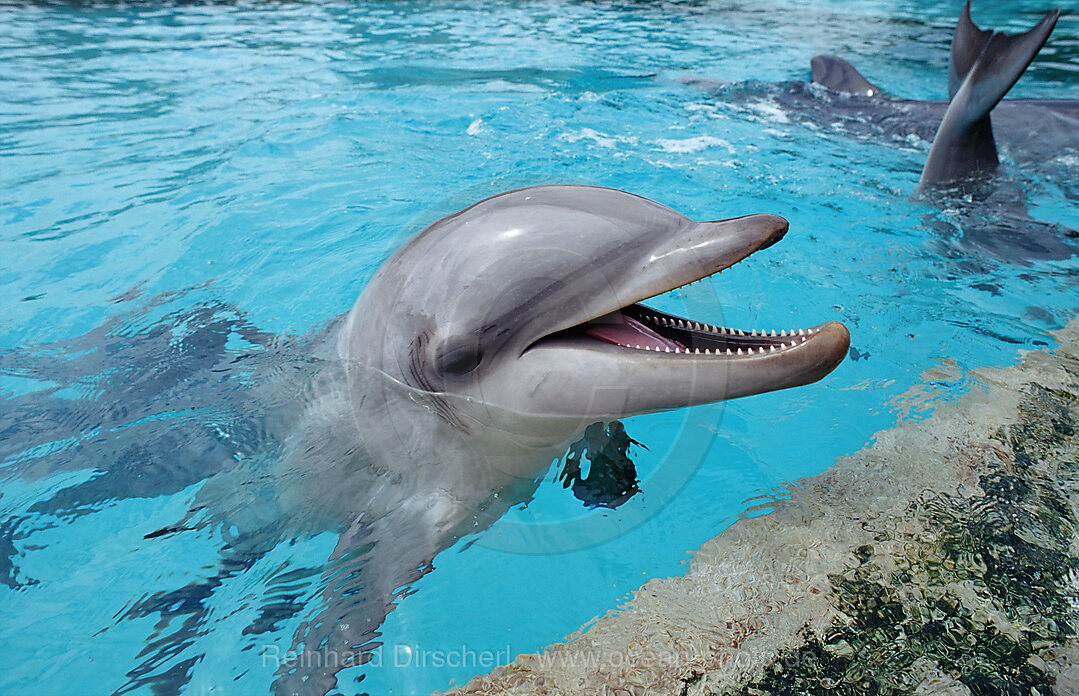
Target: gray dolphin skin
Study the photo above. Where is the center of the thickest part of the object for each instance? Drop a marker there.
(476, 354)
(983, 66)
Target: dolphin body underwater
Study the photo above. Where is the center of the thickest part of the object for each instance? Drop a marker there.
(475, 356)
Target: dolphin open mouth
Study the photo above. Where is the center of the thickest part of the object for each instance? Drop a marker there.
(639, 327)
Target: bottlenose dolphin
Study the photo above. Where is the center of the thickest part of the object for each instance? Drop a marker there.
(983, 66)
(484, 347)
(475, 356)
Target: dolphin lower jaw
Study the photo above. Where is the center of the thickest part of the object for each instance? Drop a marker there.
(663, 361)
(623, 381)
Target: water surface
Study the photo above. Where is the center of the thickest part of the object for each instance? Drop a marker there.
(183, 186)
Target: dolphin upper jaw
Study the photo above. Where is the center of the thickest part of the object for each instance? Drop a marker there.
(677, 258)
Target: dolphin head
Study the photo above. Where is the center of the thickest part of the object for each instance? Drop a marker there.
(531, 301)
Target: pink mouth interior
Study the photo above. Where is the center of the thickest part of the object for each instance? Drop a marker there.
(621, 330)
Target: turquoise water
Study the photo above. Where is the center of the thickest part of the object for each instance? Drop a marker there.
(245, 168)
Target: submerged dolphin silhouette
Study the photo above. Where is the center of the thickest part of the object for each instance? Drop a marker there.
(983, 66)
(476, 354)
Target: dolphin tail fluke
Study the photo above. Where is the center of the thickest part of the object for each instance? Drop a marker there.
(984, 66)
(837, 74)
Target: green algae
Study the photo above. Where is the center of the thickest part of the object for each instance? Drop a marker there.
(977, 598)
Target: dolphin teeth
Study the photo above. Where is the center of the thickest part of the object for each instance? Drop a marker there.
(681, 324)
(773, 332)
(707, 351)
(668, 349)
(729, 352)
(696, 351)
(761, 350)
(739, 351)
(801, 332)
(772, 349)
(696, 326)
(783, 332)
(753, 332)
(741, 333)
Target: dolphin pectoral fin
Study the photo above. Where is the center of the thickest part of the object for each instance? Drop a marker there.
(373, 566)
(984, 66)
(839, 75)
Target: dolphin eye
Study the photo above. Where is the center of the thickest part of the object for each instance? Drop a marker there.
(458, 358)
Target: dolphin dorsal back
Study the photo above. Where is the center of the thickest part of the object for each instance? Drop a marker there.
(837, 74)
(984, 66)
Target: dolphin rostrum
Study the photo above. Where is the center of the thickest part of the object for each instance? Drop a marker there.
(475, 356)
